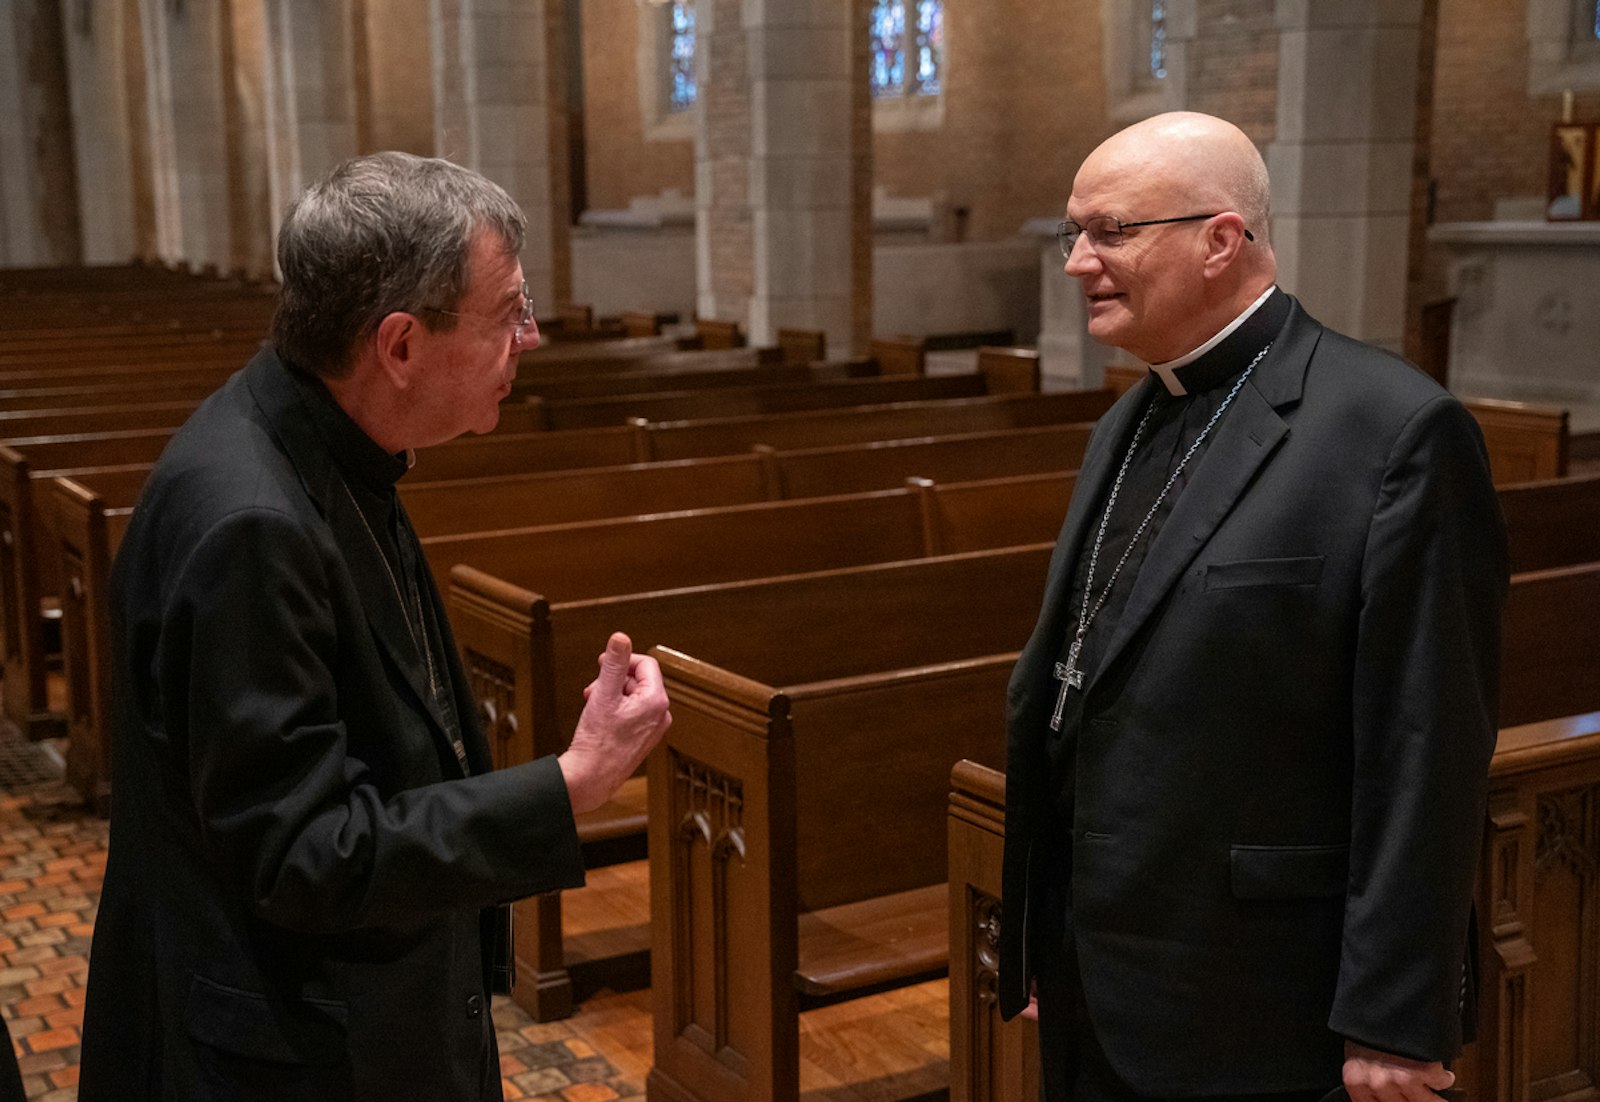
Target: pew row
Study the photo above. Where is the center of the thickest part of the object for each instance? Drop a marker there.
(999, 491)
(527, 659)
(735, 787)
(472, 456)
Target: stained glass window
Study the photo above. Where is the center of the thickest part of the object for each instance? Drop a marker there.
(888, 47)
(1597, 19)
(1158, 39)
(681, 92)
(907, 55)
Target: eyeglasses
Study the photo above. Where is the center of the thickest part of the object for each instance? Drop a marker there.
(1106, 232)
(519, 327)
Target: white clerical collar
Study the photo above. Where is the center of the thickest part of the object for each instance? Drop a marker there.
(1169, 370)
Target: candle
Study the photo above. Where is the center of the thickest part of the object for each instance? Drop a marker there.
(1566, 105)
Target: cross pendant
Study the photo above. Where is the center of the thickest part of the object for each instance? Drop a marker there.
(1071, 677)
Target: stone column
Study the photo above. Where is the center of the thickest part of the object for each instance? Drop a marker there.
(775, 190)
(38, 179)
(500, 109)
(1341, 163)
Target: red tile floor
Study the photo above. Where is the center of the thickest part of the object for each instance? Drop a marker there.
(52, 856)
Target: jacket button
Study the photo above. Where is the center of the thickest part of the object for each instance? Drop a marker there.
(474, 1005)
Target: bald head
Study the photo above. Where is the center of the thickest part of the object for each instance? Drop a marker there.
(1186, 198)
(1192, 160)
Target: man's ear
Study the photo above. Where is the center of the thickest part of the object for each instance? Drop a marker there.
(397, 344)
(1224, 239)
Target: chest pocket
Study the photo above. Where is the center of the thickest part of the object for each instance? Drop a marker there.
(1242, 573)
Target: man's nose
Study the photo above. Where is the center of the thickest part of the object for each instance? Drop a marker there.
(1082, 261)
(530, 336)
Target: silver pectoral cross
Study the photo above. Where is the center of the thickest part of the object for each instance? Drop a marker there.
(1071, 677)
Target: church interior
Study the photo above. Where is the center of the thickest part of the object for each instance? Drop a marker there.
(839, 214)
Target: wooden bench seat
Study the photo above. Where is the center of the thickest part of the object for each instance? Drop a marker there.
(894, 939)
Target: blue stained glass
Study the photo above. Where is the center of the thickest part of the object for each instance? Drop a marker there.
(930, 46)
(887, 70)
(683, 87)
(1158, 39)
(1597, 19)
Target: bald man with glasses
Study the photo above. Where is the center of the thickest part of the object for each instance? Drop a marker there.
(1249, 738)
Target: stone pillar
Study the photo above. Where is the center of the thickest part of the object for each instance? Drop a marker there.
(38, 179)
(1341, 162)
(310, 95)
(500, 108)
(253, 220)
(775, 190)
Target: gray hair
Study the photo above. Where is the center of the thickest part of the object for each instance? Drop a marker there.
(1250, 189)
(381, 233)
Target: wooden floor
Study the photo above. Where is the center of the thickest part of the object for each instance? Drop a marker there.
(891, 1046)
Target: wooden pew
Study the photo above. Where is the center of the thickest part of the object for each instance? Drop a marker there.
(1555, 522)
(1526, 441)
(797, 843)
(802, 346)
(528, 657)
(31, 574)
(1535, 913)
(719, 334)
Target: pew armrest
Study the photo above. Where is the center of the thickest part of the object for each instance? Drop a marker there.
(619, 817)
(889, 939)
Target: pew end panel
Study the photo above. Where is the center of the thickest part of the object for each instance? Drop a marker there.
(989, 1058)
(1009, 370)
(852, 867)
(1539, 1018)
(22, 690)
(1525, 441)
(85, 543)
(723, 939)
(899, 355)
(802, 346)
(719, 334)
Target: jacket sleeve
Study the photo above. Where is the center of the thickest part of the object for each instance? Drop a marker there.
(251, 649)
(1434, 580)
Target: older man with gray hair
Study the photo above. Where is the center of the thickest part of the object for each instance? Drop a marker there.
(310, 852)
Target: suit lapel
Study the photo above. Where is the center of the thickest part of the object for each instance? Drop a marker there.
(281, 400)
(1244, 439)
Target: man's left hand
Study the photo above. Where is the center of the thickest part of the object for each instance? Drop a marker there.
(1373, 1076)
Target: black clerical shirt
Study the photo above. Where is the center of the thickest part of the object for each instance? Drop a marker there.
(369, 474)
(1175, 422)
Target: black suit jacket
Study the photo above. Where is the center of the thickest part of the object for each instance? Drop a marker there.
(1281, 769)
(298, 868)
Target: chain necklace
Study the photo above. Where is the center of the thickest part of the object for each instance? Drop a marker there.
(1069, 673)
(419, 631)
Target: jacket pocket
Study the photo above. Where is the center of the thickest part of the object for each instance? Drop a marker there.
(1289, 872)
(1247, 572)
(305, 1032)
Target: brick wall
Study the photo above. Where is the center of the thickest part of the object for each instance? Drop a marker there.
(1233, 65)
(621, 163)
(1491, 139)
